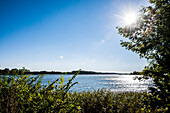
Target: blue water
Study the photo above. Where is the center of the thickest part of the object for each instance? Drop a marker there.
(115, 83)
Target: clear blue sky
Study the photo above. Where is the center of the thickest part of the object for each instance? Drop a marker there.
(65, 35)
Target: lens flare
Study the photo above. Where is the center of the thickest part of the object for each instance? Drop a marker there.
(127, 13)
(130, 18)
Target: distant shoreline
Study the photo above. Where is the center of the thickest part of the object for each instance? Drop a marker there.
(7, 71)
(74, 72)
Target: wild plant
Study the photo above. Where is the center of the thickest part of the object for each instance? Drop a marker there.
(24, 93)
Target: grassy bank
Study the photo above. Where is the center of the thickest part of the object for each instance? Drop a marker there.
(102, 101)
(22, 93)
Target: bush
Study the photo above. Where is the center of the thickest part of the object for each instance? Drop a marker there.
(23, 93)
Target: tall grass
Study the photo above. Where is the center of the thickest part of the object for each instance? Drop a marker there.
(103, 101)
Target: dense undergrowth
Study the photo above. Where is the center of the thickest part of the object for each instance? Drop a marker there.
(24, 93)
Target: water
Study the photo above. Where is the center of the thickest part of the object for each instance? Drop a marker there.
(116, 83)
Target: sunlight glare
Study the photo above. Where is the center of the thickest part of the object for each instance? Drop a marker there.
(127, 13)
(130, 18)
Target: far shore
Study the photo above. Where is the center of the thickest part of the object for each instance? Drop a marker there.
(7, 71)
(75, 72)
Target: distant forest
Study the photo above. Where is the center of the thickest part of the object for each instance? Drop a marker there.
(7, 71)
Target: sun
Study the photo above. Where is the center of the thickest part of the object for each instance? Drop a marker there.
(130, 18)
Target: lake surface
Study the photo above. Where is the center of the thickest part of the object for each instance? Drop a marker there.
(116, 83)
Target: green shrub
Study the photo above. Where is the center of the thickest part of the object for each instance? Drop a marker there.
(23, 93)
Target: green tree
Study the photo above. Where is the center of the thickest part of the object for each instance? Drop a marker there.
(150, 38)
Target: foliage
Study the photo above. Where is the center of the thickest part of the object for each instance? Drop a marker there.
(136, 73)
(24, 93)
(150, 38)
(103, 101)
(7, 71)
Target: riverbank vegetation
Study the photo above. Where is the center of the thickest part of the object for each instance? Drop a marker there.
(24, 93)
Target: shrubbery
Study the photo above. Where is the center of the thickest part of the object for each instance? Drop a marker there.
(24, 93)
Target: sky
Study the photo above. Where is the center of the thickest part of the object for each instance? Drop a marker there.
(66, 35)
